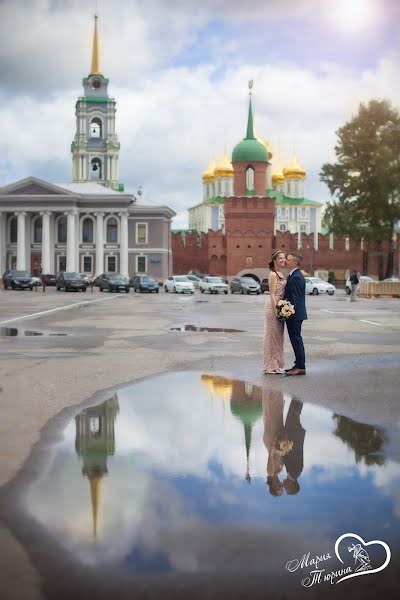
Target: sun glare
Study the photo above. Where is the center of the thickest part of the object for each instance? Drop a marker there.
(354, 15)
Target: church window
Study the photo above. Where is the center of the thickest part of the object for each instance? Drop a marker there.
(112, 230)
(303, 228)
(37, 231)
(249, 178)
(289, 188)
(87, 231)
(13, 230)
(62, 230)
(96, 169)
(96, 128)
(282, 227)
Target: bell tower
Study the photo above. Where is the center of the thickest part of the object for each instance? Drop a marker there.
(95, 148)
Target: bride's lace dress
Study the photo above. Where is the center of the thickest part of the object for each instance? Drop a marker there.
(273, 333)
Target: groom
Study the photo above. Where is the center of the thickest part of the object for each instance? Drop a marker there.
(295, 292)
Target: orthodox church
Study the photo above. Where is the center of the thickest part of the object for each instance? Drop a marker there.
(294, 212)
(90, 225)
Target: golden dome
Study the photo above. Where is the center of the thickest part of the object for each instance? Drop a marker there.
(220, 386)
(208, 174)
(224, 168)
(277, 176)
(293, 170)
(267, 145)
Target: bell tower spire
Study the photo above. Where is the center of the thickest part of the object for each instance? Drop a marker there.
(95, 70)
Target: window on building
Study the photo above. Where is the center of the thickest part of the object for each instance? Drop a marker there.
(141, 264)
(96, 169)
(111, 264)
(87, 264)
(87, 231)
(282, 227)
(141, 233)
(37, 231)
(249, 178)
(289, 188)
(13, 230)
(63, 263)
(303, 228)
(112, 230)
(347, 243)
(62, 231)
(96, 128)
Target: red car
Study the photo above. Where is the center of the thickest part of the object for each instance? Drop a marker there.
(48, 279)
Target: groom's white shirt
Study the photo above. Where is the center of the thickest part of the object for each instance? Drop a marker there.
(293, 270)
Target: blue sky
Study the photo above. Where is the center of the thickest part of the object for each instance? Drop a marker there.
(179, 71)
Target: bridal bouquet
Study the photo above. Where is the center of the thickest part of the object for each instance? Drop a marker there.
(284, 310)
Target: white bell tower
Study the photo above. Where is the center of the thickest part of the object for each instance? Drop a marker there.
(95, 149)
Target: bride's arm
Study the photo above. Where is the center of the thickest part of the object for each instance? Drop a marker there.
(272, 288)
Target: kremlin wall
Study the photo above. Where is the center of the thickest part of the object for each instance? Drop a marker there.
(249, 209)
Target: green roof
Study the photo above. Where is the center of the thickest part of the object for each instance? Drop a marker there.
(250, 149)
(216, 200)
(280, 198)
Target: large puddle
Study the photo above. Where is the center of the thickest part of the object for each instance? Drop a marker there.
(196, 473)
(14, 332)
(207, 329)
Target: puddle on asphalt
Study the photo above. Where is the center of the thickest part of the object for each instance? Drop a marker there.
(14, 331)
(151, 480)
(210, 329)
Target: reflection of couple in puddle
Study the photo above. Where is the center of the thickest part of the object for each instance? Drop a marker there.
(284, 440)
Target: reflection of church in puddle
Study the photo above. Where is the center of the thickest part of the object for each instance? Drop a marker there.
(245, 402)
(94, 443)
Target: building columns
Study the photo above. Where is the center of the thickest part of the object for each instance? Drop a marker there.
(46, 268)
(123, 245)
(71, 246)
(99, 267)
(3, 235)
(21, 253)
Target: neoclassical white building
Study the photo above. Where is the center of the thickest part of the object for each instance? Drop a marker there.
(90, 225)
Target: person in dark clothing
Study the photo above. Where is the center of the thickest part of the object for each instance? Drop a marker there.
(354, 281)
(295, 292)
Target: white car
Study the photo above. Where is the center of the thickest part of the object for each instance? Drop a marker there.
(213, 285)
(315, 286)
(194, 279)
(179, 284)
(362, 278)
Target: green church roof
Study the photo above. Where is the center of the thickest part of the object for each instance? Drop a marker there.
(280, 198)
(250, 149)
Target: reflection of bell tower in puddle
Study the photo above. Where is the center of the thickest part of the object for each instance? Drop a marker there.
(94, 442)
(245, 403)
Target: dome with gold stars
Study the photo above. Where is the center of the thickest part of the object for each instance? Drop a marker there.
(208, 175)
(277, 176)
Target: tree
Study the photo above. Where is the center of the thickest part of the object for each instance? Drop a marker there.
(365, 180)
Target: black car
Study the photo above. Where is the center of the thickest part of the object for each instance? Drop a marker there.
(17, 280)
(70, 281)
(113, 282)
(245, 285)
(264, 286)
(143, 283)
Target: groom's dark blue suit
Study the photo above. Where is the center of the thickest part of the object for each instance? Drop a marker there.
(295, 292)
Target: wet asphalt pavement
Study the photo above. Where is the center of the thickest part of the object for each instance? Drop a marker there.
(110, 343)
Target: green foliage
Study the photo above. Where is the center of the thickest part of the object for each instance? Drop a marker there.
(365, 179)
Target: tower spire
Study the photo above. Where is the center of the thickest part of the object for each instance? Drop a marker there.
(250, 126)
(95, 70)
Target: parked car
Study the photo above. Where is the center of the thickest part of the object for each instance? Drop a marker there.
(245, 285)
(48, 279)
(195, 280)
(99, 277)
(113, 282)
(85, 277)
(264, 286)
(143, 283)
(213, 285)
(179, 284)
(17, 280)
(69, 280)
(36, 281)
(392, 278)
(316, 285)
(362, 278)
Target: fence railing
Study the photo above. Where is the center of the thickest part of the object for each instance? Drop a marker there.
(379, 288)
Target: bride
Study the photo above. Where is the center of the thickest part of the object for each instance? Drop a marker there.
(273, 328)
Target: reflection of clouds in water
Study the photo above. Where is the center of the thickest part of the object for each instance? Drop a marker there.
(172, 426)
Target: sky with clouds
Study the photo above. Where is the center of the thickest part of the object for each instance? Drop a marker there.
(179, 71)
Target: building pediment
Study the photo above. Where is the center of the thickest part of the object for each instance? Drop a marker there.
(32, 186)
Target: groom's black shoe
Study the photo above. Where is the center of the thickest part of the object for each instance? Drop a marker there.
(291, 369)
(296, 371)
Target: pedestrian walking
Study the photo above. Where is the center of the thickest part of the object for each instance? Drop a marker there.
(354, 281)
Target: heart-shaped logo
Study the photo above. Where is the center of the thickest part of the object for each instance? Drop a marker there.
(361, 557)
